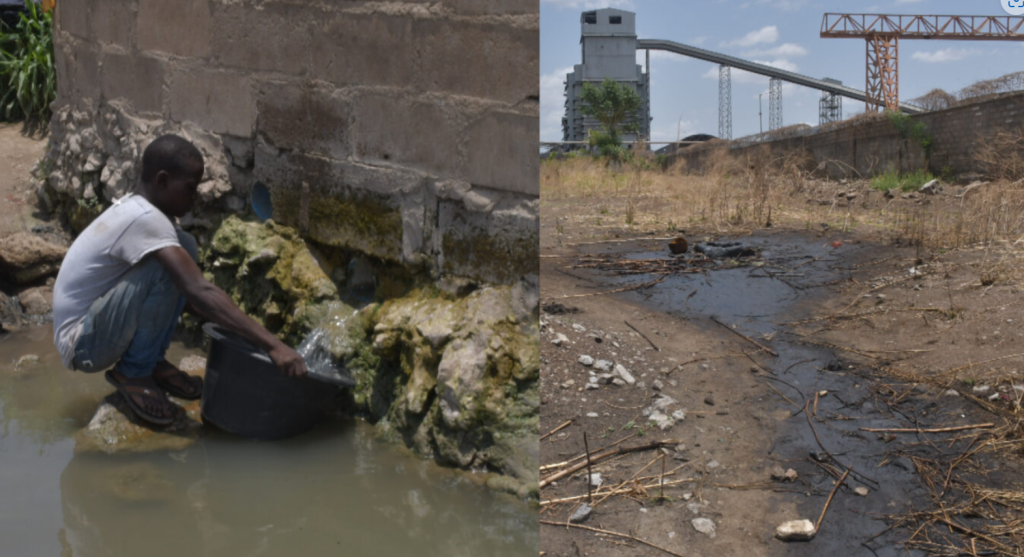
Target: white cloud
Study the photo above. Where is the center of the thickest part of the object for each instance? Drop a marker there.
(944, 55)
(592, 4)
(782, 51)
(552, 103)
(697, 41)
(766, 35)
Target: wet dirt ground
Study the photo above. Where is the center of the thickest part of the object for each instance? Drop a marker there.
(336, 490)
(744, 407)
(19, 151)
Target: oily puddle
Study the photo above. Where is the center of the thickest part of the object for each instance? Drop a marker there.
(793, 274)
(335, 489)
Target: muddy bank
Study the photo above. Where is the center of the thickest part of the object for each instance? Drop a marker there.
(742, 409)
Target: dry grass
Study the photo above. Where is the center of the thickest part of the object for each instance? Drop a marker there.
(727, 194)
(735, 194)
(1002, 154)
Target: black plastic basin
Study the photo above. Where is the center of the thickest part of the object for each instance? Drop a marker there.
(245, 394)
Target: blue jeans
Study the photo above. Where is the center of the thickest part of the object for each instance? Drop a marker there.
(131, 325)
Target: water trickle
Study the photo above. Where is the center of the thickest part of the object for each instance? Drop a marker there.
(327, 344)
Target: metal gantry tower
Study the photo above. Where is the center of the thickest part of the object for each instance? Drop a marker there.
(724, 102)
(883, 82)
(883, 33)
(830, 107)
(774, 104)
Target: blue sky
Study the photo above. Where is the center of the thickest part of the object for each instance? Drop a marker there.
(782, 33)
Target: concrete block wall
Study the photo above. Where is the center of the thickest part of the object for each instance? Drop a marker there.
(405, 129)
(875, 146)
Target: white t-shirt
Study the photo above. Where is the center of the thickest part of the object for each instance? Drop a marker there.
(129, 230)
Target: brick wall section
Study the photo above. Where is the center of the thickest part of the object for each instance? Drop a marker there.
(436, 101)
(875, 146)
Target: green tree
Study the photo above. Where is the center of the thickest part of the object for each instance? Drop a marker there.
(614, 105)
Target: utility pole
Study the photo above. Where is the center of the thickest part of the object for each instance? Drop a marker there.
(760, 118)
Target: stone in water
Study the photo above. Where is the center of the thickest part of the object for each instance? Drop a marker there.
(795, 531)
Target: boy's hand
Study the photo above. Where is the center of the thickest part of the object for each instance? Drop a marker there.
(288, 361)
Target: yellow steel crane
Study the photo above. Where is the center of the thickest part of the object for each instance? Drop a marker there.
(883, 33)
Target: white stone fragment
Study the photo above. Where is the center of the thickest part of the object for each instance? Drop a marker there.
(704, 526)
(795, 531)
(623, 373)
(660, 420)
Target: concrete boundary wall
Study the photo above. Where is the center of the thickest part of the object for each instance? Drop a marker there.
(875, 146)
(406, 130)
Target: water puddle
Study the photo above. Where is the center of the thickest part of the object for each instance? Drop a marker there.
(336, 490)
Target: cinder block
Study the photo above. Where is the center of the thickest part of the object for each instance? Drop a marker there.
(406, 132)
(494, 7)
(62, 55)
(73, 17)
(364, 49)
(274, 38)
(340, 211)
(113, 22)
(180, 28)
(135, 77)
(499, 247)
(85, 73)
(307, 120)
(502, 152)
(491, 61)
(219, 102)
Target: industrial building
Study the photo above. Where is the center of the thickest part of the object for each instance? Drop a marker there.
(608, 40)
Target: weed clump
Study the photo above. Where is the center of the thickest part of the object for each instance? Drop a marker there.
(905, 181)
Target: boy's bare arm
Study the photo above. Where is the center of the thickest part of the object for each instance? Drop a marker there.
(214, 304)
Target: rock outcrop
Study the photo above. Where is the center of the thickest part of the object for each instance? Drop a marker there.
(455, 376)
(461, 378)
(272, 275)
(116, 429)
(25, 258)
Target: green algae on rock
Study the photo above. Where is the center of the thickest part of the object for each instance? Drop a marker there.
(467, 392)
(268, 270)
(453, 377)
(116, 429)
(346, 218)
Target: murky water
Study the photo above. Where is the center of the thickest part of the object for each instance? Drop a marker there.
(786, 283)
(333, 491)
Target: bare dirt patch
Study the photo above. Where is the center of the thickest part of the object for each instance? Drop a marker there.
(19, 152)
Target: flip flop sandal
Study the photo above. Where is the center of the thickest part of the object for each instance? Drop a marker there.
(126, 392)
(164, 382)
